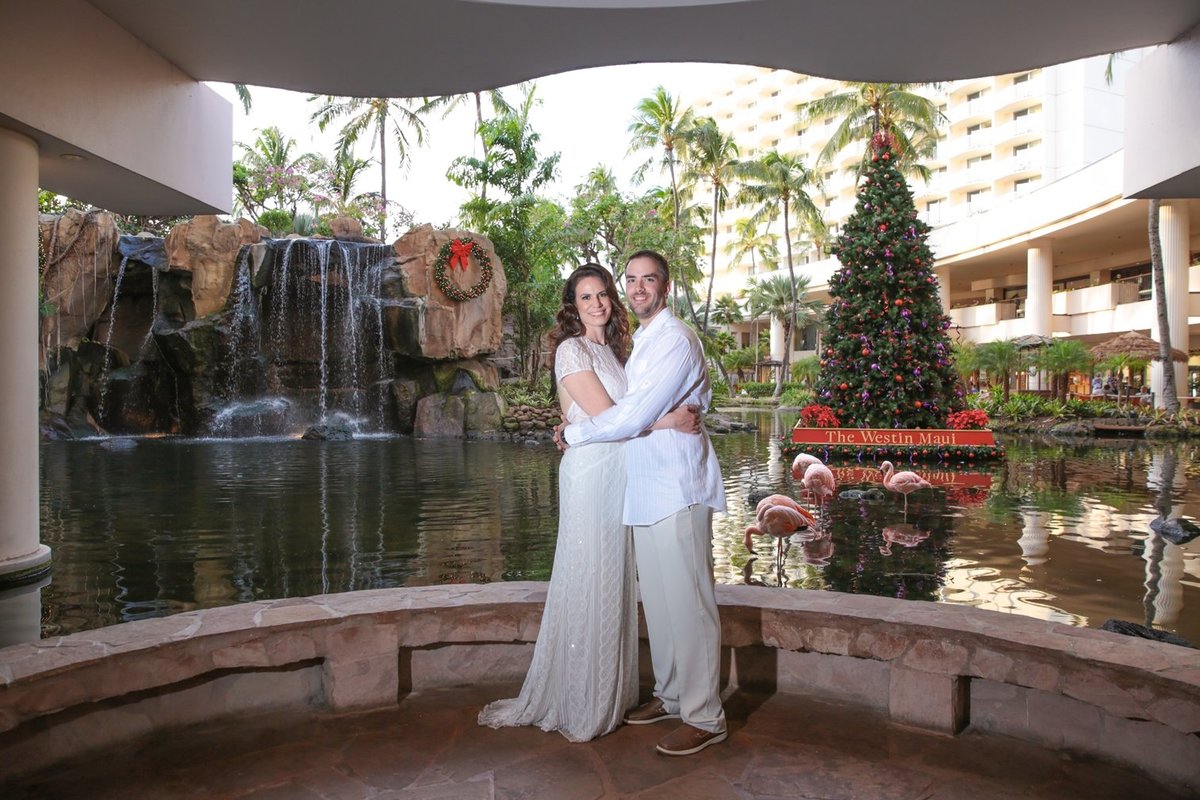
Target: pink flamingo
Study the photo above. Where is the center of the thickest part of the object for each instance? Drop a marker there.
(819, 481)
(801, 463)
(903, 482)
(780, 519)
(779, 500)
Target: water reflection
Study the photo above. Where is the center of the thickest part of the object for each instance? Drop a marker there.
(1057, 532)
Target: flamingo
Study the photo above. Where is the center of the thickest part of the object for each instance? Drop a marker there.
(801, 463)
(819, 481)
(780, 520)
(779, 500)
(903, 482)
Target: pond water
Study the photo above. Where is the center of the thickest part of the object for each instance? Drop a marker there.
(1056, 532)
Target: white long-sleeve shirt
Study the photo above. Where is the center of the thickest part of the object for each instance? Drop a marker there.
(666, 470)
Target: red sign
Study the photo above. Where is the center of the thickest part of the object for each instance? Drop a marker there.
(905, 437)
(943, 477)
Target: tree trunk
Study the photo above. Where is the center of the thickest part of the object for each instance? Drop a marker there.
(482, 140)
(783, 362)
(1170, 394)
(791, 326)
(687, 288)
(712, 272)
(383, 178)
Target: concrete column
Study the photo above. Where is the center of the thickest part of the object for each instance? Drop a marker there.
(1174, 232)
(777, 342)
(22, 557)
(943, 279)
(1039, 271)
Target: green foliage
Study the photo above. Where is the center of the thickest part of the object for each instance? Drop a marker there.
(540, 394)
(276, 220)
(1061, 357)
(527, 231)
(757, 389)
(806, 370)
(888, 361)
(1000, 359)
(796, 397)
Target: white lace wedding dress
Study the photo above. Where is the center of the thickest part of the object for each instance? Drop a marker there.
(584, 671)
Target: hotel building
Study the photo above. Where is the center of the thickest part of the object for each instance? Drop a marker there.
(1031, 230)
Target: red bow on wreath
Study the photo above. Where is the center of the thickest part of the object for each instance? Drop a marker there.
(460, 251)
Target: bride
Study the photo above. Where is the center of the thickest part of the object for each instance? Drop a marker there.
(584, 670)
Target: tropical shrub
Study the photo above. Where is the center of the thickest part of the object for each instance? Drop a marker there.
(276, 220)
(795, 396)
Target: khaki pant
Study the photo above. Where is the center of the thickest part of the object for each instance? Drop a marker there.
(675, 578)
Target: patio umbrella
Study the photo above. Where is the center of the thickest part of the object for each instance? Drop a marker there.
(1135, 344)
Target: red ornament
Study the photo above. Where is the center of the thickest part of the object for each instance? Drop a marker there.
(899, 379)
(887, 157)
(918, 404)
(882, 226)
(899, 301)
(866, 351)
(844, 386)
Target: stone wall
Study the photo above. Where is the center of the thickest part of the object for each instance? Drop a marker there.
(938, 667)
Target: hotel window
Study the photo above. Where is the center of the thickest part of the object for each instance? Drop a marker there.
(1023, 77)
(774, 143)
(828, 202)
(752, 104)
(977, 199)
(1023, 185)
(978, 160)
(941, 108)
(729, 115)
(752, 128)
(775, 93)
(776, 118)
(1025, 112)
(976, 95)
(828, 175)
(977, 128)
(933, 211)
(1024, 148)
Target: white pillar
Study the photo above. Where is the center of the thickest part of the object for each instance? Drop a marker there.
(1039, 272)
(1174, 232)
(22, 556)
(777, 342)
(943, 284)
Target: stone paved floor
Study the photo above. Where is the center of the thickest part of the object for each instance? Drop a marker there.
(781, 746)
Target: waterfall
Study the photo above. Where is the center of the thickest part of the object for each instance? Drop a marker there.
(153, 311)
(318, 324)
(112, 323)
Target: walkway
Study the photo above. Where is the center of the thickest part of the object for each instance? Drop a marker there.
(782, 746)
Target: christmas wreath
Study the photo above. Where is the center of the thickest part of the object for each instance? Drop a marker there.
(455, 253)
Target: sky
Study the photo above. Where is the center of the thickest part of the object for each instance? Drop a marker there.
(583, 116)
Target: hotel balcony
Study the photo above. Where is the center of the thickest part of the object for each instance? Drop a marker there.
(1031, 126)
(1018, 94)
(1109, 308)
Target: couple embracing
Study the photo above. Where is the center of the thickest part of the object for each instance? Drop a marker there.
(639, 480)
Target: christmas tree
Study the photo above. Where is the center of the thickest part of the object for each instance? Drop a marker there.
(886, 360)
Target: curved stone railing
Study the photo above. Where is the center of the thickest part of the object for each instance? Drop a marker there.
(933, 666)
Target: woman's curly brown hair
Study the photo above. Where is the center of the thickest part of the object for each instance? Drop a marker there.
(616, 331)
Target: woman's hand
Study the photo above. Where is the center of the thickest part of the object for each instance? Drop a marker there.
(686, 419)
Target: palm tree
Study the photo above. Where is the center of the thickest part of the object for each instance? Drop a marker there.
(713, 158)
(381, 116)
(779, 183)
(243, 96)
(660, 122)
(1000, 358)
(269, 170)
(867, 108)
(750, 242)
(1170, 392)
(1059, 358)
(774, 297)
(448, 103)
(727, 311)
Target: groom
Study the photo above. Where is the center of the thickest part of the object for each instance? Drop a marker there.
(673, 486)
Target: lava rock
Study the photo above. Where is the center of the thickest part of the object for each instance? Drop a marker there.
(1175, 530)
(1143, 632)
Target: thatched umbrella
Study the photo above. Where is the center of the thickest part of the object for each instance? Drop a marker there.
(1137, 345)
(1031, 340)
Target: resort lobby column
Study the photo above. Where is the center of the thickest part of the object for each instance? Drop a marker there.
(943, 283)
(1174, 231)
(777, 341)
(22, 556)
(1039, 272)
